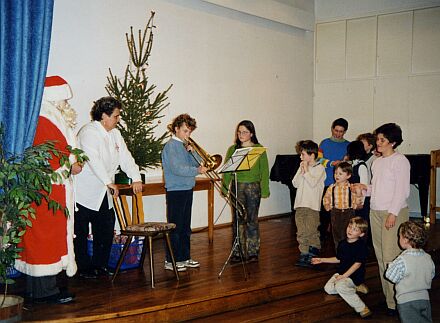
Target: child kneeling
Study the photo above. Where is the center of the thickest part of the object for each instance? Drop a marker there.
(351, 256)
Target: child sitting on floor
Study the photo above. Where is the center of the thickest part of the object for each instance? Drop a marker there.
(351, 257)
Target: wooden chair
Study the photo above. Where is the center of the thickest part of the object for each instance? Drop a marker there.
(435, 163)
(132, 225)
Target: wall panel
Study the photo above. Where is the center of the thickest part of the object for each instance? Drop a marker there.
(361, 47)
(394, 44)
(426, 51)
(330, 51)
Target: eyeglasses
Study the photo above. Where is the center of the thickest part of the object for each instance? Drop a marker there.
(243, 132)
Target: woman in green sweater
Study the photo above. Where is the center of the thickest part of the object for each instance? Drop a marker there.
(252, 185)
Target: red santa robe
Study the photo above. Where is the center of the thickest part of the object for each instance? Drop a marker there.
(48, 244)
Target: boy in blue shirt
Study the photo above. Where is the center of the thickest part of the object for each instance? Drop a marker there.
(180, 168)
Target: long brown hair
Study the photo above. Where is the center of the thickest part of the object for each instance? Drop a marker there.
(249, 126)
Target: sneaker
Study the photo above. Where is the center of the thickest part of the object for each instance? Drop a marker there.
(365, 312)
(190, 263)
(179, 266)
(362, 288)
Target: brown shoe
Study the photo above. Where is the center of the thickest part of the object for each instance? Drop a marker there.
(365, 312)
(362, 288)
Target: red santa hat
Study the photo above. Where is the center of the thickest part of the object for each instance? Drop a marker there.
(56, 89)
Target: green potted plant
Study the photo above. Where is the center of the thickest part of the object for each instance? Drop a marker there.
(142, 110)
(24, 179)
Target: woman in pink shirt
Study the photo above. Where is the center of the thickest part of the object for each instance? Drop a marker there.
(389, 191)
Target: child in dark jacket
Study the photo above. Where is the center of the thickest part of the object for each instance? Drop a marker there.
(351, 257)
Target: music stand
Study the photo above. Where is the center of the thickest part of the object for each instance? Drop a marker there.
(241, 160)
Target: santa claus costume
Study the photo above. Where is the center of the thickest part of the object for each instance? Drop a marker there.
(48, 244)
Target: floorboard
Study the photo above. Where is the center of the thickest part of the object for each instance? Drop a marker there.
(275, 289)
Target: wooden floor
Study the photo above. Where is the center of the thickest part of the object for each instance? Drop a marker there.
(275, 290)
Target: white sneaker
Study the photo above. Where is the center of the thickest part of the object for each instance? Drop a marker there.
(179, 266)
(190, 263)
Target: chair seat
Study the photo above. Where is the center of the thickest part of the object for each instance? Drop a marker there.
(132, 225)
(150, 227)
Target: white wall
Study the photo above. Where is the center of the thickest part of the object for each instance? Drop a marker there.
(330, 10)
(373, 69)
(225, 65)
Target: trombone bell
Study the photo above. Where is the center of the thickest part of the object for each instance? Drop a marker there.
(210, 162)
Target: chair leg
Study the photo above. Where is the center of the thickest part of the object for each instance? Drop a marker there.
(122, 256)
(144, 251)
(170, 249)
(150, 246)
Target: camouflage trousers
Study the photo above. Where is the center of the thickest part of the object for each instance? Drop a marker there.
(249, 194)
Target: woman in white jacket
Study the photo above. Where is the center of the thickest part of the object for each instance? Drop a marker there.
(106, 149)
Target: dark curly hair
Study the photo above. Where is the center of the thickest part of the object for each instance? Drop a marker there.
(392, 132)
(181, 119)
(105, 105)
(415, 233)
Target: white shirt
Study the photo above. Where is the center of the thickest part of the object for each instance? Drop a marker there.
(106, 150)
(362, 172)
(310, 186)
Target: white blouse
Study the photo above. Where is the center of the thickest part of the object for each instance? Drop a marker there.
(106, 150)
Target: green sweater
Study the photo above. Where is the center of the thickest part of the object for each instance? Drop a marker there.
(258, 173)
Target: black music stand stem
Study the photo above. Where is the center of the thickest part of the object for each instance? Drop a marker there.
(241, 160)
(237, 243)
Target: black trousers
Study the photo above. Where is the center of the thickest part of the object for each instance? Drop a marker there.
(179, 205)
(39, 287)
(103, 224)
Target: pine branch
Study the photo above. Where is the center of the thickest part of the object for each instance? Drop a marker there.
(141, 109)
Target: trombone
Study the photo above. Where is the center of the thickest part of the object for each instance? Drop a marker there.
(212, 163)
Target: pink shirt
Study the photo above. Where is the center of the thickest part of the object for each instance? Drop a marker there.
(390, 185)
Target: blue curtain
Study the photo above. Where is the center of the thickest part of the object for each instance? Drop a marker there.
(25, 29)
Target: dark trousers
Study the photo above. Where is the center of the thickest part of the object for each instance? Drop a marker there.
(340, 220)
(324, 219)
(103, 224)
(39, 287)
(179, 205)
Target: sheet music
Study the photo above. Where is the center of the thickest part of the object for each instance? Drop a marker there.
(242, 159)
(235, 160)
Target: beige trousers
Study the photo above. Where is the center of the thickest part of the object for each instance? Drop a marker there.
(386, 247)
(347, 290)
(307, 234)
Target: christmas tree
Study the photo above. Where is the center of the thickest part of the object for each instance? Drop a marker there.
(141, 112)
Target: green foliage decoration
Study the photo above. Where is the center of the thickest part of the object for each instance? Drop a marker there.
(141, 110)
(26, 179)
